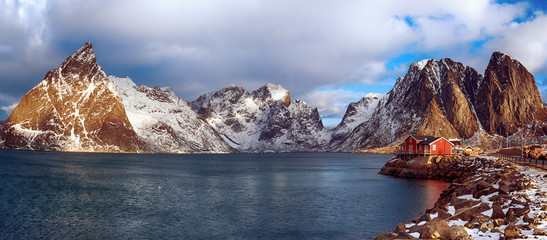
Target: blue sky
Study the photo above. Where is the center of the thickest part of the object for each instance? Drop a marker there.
(327, 53)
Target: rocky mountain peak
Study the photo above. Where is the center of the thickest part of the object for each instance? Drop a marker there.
(509, 97)
(356, 113)
(75, 108)
(421, 64)
(81, 65)
(270, 93)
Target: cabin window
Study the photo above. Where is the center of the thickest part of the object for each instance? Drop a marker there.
(410, 148)
(434, 147)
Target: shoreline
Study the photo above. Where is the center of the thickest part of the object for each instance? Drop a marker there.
(488, 198)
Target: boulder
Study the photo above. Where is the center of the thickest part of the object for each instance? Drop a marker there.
(512, 231)
(400, 228)
(424, 217)
(504, 187)
(464, 191)
(481, 184)
(467, 214)
(484, 192)
(540, 232)
(464, 203)
(436, 228)
(497, 211)
(496, 230)
(529, 219)
(389, 236)
(519, 212)
(457, 232)
(499, 222)
(404, 235)
(485, 227)
(416, 228)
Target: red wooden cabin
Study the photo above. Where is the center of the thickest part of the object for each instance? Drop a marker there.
(427, 145)
(536, 148)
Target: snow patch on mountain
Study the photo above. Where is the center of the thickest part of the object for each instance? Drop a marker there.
(264, 120)
(164, 121)
(356, 114)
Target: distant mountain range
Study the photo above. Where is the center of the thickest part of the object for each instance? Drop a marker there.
(78, 108)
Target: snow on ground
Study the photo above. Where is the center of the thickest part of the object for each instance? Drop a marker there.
(535, 197)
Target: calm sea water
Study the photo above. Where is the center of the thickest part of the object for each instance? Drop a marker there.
(234, 196)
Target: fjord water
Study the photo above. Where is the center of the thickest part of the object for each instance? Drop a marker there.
(231, 196)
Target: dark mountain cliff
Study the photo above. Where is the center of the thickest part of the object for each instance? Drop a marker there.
(444, 98)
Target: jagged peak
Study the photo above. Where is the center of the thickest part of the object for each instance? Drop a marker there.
(373, 95)
(277, 92)
(84, 54)
(421, 64)
(498, 57)
(271, 92)
(81, 65)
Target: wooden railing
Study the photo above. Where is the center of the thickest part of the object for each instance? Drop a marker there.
(538, 163)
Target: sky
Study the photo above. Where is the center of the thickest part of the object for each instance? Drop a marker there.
(327, 53)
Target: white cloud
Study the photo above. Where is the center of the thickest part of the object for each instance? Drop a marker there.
(526, 42)
(9, 108)
(333, 102)
(303, 45)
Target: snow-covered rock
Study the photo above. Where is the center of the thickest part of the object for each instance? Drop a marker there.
(264, 120)
(165, 122)
(356, 113)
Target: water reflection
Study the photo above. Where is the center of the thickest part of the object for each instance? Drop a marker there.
(432, 191)
(237, 196)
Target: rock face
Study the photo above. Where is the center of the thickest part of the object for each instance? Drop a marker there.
(264, 120)
(165, 122)
(430, 100)
(444, 98)
(357, 113)
(508, 97)
(75, 108)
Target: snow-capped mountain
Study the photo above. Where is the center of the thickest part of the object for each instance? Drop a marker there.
(264, 120)
(356, 113)
(78, 108)
(75, 108)
(444, 98)
(165, 122)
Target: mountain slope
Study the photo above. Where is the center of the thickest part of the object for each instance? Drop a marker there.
(509, 97)
(429, 100)
(165, 122)
(264, 120)
(75, 108)
(356, 113)
(444, 98)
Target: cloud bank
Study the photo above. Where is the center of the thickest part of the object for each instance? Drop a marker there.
(306, 46)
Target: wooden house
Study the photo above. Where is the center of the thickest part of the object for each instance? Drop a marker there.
(536, 148)
(426, 145)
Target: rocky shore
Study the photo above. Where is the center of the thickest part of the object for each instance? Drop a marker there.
(488, 199)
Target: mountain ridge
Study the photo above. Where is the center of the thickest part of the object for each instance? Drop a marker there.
(78, 108)
(445, 98)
